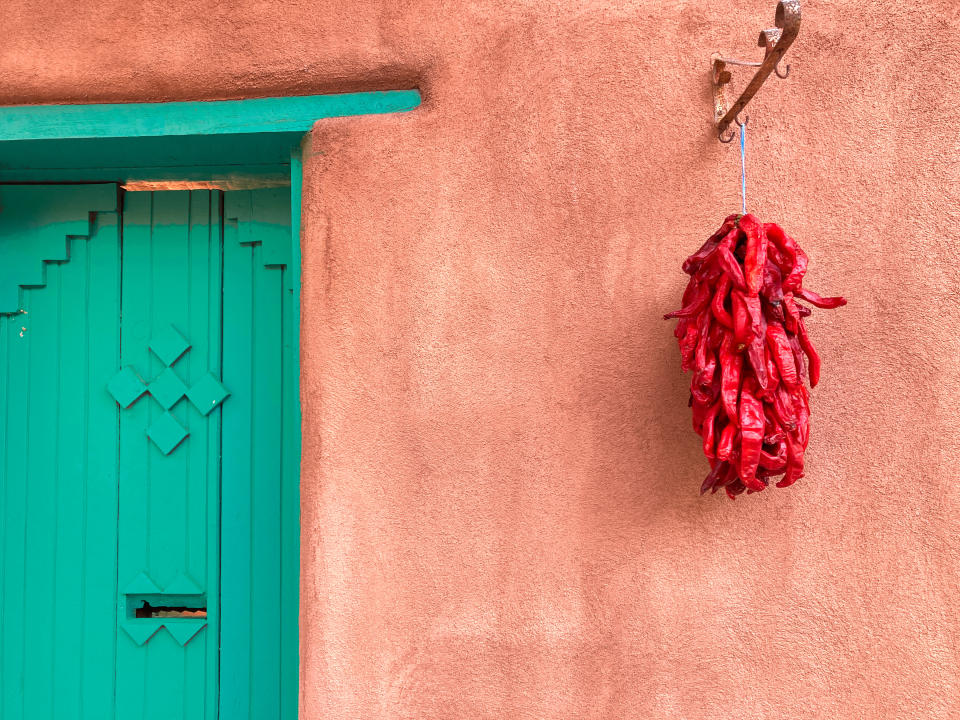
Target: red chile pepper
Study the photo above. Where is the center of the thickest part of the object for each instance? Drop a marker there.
(741, 319)
(719, 298)
(730, 475)
(774, 462)
(782, 354)
(773, 377)
(757, 355)
(783, 410)
(709, 370)
(713, 476)
(747, 395)
(692, 263)
(755, 253)
(716, 336)
(701, 364)
(775, 433)
(695, 261)
(688, 347)
(794, 258)
(731, 363)
(755, 348)
(801, 404)
(774, 313)
(798, 356)
(709, 431)
(791, 313)
(699, 412)
(726, 442)
(774, 255)
(751, 437)
(772, 288)
(827, 303)
(810, 351)
(721, 476)
(794, 468)
(734, 489)
(731, 267)
(701, 395)
(700, 299)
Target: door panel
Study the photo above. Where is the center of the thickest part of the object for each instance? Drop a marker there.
(147, 455)
(260, 476)
(169, 455)
(259, 523)
(59, 340)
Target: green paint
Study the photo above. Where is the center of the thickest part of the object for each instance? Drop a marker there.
(188, 495)
(290, 636)
(123, 159)
(217, 117)
(238, 140)
(169, 504)
(63, 215)
(260, 499)
(58, 457)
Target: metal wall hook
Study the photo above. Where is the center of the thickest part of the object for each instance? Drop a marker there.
(733, 133)
(775, 42)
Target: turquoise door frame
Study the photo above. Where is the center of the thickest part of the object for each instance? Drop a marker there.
(228, 145)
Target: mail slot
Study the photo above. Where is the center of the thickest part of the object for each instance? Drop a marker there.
(167, 606)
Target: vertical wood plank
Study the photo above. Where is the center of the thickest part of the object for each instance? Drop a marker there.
(215, 454)
(43, 326)
(170, 506)
(266, 464)
(71, 431)
(98, 593)
(5, 499)
(16, 356)
(134, 475)
(237, 483)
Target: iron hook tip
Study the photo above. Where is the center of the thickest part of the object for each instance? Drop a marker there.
(786, 71)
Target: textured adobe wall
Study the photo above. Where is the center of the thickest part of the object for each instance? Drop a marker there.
(500, 516)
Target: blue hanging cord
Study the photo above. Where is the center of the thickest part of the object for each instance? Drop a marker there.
(743, 165)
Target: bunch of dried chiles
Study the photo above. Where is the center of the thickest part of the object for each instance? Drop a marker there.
(741, 332)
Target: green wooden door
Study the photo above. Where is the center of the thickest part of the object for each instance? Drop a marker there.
(147, 457)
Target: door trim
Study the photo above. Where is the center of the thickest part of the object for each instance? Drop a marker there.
(211, 117)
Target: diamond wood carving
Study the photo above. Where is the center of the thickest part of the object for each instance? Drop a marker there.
(167, 389)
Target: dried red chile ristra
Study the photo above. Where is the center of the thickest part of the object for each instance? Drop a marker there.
(741, 333)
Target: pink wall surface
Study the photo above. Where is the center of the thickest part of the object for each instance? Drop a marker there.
(500, 509)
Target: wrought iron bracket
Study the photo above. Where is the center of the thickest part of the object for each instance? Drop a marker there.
(775, 42)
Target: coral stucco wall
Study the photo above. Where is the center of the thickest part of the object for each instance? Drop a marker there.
(500, 517)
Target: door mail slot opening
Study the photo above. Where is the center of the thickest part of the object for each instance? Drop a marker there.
(167, 606)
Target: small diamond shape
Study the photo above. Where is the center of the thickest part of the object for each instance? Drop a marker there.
(166, 433)
(207, 393)
(167, 388)
(169, 345)
(126, 387)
